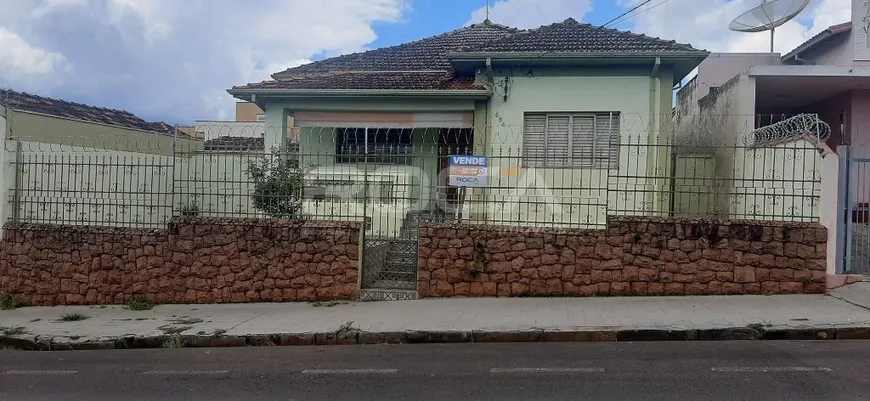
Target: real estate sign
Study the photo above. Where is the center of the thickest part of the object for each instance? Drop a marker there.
(468, 171)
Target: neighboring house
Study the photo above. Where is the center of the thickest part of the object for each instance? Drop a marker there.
(71, 163)
(828, 75)
(249, 112)
(35, 118)
(250, 122)
(558, 99)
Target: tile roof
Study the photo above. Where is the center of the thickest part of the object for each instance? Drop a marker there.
(571, 36)
(423, 64)
(235, 144)
(23, 101)
(832, 31)
(405, 80)
(427, 54)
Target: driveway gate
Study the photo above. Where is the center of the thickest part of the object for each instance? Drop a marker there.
(857, 209)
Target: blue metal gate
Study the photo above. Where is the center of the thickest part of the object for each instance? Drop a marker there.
(857, 210)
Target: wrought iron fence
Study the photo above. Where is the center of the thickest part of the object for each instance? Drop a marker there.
(391, 178)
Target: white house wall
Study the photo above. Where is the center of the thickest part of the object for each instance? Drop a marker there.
(583, 194)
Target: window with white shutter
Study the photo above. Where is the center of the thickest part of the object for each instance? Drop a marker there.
(575, 140)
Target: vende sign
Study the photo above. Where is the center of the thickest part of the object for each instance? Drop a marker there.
(468, 171)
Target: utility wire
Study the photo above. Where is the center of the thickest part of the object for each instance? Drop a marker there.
(650, 8)
(626, 13)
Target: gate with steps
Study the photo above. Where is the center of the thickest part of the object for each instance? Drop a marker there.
(389, 267)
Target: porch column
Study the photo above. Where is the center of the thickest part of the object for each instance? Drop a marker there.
(276, 128)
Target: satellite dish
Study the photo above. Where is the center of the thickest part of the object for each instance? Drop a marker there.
(767, 16)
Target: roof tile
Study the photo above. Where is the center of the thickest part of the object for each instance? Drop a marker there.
(423, 64)
(23, 101)
(420, 55)
(410, 80)
(571, 36)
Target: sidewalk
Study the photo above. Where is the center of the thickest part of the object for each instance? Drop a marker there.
(843, 314)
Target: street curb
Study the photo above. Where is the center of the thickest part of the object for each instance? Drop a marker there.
(754, 333)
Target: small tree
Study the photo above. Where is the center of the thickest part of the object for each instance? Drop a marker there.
(278, 186)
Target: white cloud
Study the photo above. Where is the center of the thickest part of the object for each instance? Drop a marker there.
(704, 24)
(18, 58)
(532, 13)
(174, 60)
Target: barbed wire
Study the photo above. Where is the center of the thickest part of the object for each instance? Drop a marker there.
(806, 125)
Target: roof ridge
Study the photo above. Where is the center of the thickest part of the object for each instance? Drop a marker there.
(447, 34)
(67, 102)
(643, 35)
(23, 98)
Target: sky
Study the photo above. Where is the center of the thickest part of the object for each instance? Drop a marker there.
(172, 60)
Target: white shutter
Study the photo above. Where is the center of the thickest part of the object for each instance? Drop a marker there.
(558, 146)
(606, 140)
(583, 140)
(534, 140)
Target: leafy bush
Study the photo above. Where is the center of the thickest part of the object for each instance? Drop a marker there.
(278, 186)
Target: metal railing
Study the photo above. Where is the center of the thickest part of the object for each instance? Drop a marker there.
(392, 178)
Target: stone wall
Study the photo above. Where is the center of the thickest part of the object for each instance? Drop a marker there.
(194, 260)
(632, 256)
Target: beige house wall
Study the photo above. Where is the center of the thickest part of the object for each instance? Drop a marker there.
(41, 128)
(248, 112)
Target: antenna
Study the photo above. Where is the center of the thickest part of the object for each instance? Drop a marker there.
(767, 16)
(487, 11)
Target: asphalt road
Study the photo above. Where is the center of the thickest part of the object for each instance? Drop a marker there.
(775, 370)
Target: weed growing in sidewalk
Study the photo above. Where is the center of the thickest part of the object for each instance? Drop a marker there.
(347, 329)
(12, 331)
(329, 304)
(140, 304)
(218, 332)
(73, 317)
(7, 303)
(173, 341)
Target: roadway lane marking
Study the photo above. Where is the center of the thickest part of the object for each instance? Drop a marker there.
(40, 372)
(546, 370)
(186, 372)
(348, 371)
(771, 369)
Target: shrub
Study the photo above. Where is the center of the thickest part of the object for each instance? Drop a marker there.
(278, 186)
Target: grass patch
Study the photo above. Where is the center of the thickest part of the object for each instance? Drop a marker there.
(140, 304)
(12, 331)
(73, 317)
(173, 341)
(218, 332)
(7, 303)
(329, 304)
(187, 321)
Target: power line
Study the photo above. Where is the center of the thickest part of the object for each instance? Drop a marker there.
(650, 8)
(626, 13)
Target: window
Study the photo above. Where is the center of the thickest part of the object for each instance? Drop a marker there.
(261, 118)
(576, 140)
(374, 145)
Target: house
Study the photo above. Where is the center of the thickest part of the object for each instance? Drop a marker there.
(72, 163)
(34, 118)
(828, 75)
(815, 97)
(249, 112)
(245, 133)
(554, 103)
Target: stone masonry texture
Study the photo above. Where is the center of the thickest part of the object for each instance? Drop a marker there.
(194, 260)
(631, 256)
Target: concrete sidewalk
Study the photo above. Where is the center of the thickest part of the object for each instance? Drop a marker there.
(843, 314)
